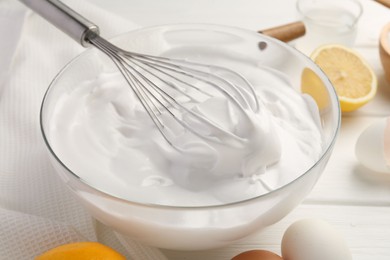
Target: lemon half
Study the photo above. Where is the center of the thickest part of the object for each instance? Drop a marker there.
(354, 80)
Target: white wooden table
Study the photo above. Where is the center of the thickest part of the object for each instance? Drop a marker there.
(351, 198)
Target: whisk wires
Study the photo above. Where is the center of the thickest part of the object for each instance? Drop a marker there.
(166, 86)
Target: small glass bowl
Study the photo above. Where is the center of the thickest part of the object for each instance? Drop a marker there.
(328, 22)
(198, 227)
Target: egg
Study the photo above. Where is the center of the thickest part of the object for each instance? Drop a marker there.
(257, 255)
(314, 239)
(373, 146)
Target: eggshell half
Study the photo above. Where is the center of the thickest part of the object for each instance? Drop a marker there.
(373, 146)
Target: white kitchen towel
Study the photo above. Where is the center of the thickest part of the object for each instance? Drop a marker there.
(37, 211)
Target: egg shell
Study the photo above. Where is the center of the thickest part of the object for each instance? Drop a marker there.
(373, 146)
(314, 239)
(257, 255)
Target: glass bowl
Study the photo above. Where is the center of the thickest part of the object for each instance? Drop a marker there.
(196, 227)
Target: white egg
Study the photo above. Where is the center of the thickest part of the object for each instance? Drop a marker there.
(373, 146)
(314, 239)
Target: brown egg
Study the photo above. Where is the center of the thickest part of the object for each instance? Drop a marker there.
(257, 255)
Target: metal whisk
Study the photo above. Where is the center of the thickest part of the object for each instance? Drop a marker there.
(167, 88)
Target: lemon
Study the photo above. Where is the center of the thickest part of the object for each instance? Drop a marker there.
(81, 251)
(312, 84)
(354, 80)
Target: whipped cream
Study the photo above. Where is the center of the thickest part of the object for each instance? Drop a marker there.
(102, 133)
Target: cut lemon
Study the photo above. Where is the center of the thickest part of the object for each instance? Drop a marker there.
(81, 251)
(351, 76)
(312, 85)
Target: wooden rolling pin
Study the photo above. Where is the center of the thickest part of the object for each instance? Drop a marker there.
(384, 2)
(287, 32)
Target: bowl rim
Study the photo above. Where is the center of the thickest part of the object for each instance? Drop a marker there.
(322, 157)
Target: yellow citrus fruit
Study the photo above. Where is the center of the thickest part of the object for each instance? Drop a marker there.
(351, 76)
(81, 251)
(312, 84)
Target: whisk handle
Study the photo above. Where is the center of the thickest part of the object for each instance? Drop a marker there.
(64, 18)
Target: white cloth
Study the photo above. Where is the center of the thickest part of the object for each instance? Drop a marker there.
(37, 211)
